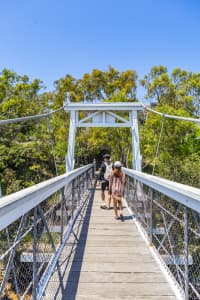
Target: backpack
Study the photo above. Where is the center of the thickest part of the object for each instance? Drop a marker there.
(107, 171)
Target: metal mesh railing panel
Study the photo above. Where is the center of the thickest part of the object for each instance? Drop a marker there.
(173, 229)
(28, 245)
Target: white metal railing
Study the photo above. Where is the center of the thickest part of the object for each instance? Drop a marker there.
(185, 194)
(35, 224)
(168, 213)
(17, 204)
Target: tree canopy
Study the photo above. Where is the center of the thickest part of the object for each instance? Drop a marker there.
(29, 150)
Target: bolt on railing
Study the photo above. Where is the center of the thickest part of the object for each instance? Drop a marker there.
(34, 226)
(169, 215)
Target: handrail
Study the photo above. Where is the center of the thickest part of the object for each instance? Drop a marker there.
(184, 194)
(17, 204)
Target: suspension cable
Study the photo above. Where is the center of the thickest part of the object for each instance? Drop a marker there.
(23, 119)
(158, 145)
(171, 116)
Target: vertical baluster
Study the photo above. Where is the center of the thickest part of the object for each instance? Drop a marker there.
(12, 254)
(73, 196)
(136, 190)
(85, 182)
(87, 179)
(186, 253)
(62, 195)
(34, 293)
(150, 216)
(13, 266)
(94, 168)
(127, 187)
(79, 191)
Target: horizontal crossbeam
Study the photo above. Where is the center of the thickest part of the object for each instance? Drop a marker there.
(106, 106)
(106, 125)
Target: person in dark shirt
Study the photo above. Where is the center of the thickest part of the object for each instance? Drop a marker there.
(105, 171)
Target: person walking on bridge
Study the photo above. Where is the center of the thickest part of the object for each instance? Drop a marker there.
(116, 188)
(105, 171)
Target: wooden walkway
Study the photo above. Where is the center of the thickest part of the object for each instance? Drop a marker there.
(110, 261)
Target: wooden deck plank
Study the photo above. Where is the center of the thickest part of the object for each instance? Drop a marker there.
(105, 277)
(110, 261)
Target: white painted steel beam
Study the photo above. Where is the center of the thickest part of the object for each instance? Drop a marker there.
(121, 125)
(117, 117)
(103, 119)
(71, 142)
(184, 194)
(135, 141)
(89, 116)
(106, 106)
(103, 116)
(13, 206)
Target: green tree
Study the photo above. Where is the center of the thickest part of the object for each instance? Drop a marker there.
(180, 89)
(25, 149)
(102, 85)
(179, 145)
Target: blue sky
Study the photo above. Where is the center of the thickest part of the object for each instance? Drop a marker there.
(47, 39)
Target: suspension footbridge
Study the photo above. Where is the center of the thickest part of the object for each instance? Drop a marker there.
(56, 243)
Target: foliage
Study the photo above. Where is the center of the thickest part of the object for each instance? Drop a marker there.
(25, 152)
(102, 85)
(28, 150)
(180, 89)
(179, 151)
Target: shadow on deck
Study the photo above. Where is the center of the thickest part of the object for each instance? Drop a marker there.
(69, 279)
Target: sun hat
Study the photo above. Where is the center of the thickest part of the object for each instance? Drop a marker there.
(117, 164)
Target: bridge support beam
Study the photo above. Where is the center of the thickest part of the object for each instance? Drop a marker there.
(71, 142)
(136, 160)
(104, 115)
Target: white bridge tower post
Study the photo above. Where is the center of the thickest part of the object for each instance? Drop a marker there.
(136, 161)
(71, 142)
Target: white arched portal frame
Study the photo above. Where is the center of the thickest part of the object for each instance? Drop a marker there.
(104, 115)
